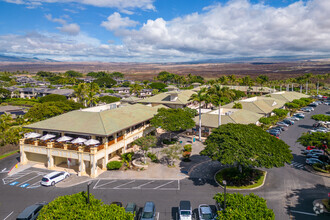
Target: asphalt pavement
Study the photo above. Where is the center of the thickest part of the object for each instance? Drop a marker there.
(289, 190)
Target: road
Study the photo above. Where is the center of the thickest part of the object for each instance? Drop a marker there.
(289, 190)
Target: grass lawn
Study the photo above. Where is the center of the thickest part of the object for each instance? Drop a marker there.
(326, 204)
(8, 154)
(257, 181)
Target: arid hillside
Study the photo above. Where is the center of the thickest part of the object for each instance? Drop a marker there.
(139, 71)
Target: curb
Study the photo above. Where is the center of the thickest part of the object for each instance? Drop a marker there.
(311, 170)
(9, 155)
(240, 189)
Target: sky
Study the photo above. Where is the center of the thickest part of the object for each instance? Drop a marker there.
(163, 30)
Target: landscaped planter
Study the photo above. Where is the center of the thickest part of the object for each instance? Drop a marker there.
(139, 163)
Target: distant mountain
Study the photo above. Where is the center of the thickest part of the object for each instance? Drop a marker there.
(4, 58)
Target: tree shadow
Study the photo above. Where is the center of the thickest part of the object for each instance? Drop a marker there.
(304, 203)
(299, 158)
(306, 126)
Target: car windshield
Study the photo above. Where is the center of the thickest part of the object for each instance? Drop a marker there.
(147, 215)
(185, 213)
(207, 216)
(44, 179)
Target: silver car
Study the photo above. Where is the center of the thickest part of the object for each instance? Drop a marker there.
(205, 212)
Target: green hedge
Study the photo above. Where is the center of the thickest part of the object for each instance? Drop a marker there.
(75, 207)
(187, 147)
(114, 165)
(321, 117)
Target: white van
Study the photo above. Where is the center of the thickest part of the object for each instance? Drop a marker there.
(52, 178)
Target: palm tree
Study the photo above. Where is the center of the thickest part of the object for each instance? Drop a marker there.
(92, 89)
(200, 97)
(216, 93)
(135, 88)
(80, 92)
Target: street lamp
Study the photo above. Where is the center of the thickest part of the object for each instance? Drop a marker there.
(224, 205)
(88, 184)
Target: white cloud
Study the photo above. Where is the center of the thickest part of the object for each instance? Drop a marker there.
(71, 29)
(120, 4)
(235, 29)
(115, 22)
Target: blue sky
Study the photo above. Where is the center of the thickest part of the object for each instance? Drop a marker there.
(163, 30)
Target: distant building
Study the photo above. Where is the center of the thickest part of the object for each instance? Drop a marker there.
(12, 110)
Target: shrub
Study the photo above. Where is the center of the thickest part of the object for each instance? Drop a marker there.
(281, 112)
(153, 157)
(114, 165)
(187, 148)
(75, 207)
(168, 142)
(109, 99)
(127, 157)
(321, 168)
(237, 105)
(186, 156)
(321, 117)
(291, 105)
(52, 98)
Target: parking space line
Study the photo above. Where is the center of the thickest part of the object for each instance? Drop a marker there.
(139, 187)
(34, 185)
(9, 215)
(117, 187)
(16, 176)
(29, 179)
(103, 184)
(304, 213)
(164, 184)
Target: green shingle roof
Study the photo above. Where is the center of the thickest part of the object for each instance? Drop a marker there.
(288, 96)
(164, 98)
(102, 123)
(240, 116)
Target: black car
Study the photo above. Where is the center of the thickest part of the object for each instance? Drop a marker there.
(131, 208)
(280, 128)
(31, 212)
(274, 133)
(117, 203)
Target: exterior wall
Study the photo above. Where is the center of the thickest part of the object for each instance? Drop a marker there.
(53, 155)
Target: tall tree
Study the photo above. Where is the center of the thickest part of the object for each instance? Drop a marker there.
(173, 152)
(246, 146)
(216, 94)
(135, 88)
(200, 97)
(92, 89)
(80, 92)
(145, 143)
(173, 119)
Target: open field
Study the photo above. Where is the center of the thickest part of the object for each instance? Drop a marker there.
(139, 71)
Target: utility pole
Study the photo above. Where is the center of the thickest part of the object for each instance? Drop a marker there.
(300, 88)
(292, 87)
(224, 205)
(306, 87)
(317, 87)
(88, 184)
(281, 88)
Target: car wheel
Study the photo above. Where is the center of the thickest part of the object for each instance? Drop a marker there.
(67, 176)
(53, 183)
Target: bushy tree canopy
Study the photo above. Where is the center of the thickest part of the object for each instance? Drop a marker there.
(281, 112)
(72, 73)
(246, 145)
(173, 119)
(4, 93)
(238, 206)
(105, 81)
(158, 85)
(50, 109)
(314, 139)
(75, 207)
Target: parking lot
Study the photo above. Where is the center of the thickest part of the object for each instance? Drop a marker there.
(137, 184)
(29, 178)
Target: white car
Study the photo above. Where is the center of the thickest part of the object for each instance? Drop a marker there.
(52, 178)
(205, 212)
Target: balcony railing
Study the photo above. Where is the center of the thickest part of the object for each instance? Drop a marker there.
(100, 147)
(111, 142)
(120, 138)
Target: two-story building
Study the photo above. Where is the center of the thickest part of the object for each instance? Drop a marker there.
(115, 129)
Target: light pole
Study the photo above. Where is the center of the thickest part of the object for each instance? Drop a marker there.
(88, 184)
(224, 205)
